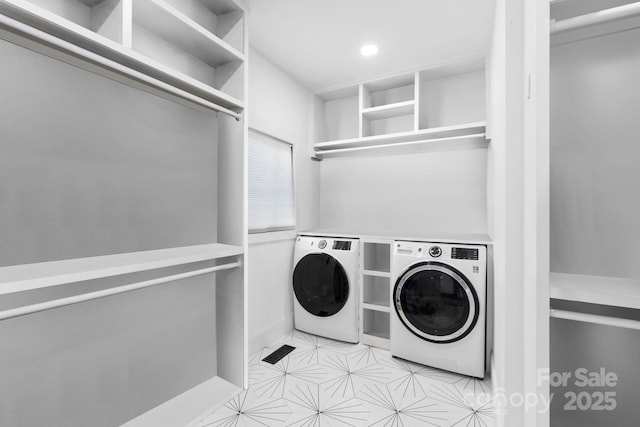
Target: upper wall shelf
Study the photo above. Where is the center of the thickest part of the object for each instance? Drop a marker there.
(26, 277)
(176, 28)
(192, 49)
(439, 105)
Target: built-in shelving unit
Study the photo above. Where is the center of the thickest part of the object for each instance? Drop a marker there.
(438, 107)
(192, 49)
(375, 276)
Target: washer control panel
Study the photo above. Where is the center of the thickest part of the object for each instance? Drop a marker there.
(322, 244)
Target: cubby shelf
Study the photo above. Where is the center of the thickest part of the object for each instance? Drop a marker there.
(376, 306)
(389, 110)
(376, 273)
(170, 24)
(26, 277)
(98, 35)
(375, 276)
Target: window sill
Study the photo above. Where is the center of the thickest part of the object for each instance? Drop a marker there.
(272, 236)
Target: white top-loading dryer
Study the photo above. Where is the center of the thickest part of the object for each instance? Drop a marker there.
(325, 286)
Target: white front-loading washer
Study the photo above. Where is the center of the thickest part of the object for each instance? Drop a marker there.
(438, 317)
(325, 287)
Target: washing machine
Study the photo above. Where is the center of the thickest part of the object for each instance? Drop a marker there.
(439, 309)
(325, 287)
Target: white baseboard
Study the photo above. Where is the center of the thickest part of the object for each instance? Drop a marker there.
(270, 334)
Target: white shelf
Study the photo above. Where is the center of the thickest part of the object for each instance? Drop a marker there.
(189, 407)
(173, 26)
(390, 110)
(611, 291)
(471, 134)
(376, 273)
(382, 306)
(156, 69)
(26, 277)
(77, 35)
(438, 108)
(375, 340)
(439, 132)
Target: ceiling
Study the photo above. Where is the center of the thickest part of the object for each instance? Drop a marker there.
(318, 42)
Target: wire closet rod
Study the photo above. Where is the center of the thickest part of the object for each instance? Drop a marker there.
(596, 17)
(397, 144)
(70, 48)
(76, 299)
(594, 318)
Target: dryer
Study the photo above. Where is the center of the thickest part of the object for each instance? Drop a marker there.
(439, 305)
(325, 287)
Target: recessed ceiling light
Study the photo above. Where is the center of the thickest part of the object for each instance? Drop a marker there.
(369, 49)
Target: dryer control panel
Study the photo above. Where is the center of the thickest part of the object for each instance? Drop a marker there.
(464, 253)
(341, 245)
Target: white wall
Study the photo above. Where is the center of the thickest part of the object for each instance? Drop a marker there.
(406, 194)
(280, 107)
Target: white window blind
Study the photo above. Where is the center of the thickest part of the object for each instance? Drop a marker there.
(271, 201)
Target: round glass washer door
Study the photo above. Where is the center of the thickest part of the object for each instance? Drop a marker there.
(436, 302)
(320, 284)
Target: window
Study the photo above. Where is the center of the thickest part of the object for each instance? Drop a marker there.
(271, 201)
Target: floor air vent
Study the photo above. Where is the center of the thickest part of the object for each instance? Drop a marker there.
(277, 355)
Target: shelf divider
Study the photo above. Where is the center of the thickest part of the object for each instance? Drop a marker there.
(376, 273)
(376, 306)
(389, 110)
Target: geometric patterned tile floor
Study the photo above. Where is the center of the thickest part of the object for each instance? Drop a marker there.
(326, 383)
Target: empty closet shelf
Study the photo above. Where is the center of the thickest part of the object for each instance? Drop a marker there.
(613, 291)
(596, 319)
(90, 296)
(25, 277)
(598, 17)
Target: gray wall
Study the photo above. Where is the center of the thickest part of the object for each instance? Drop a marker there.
(89, 167)
(576, 345)
(595, 152)
(595, 206)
